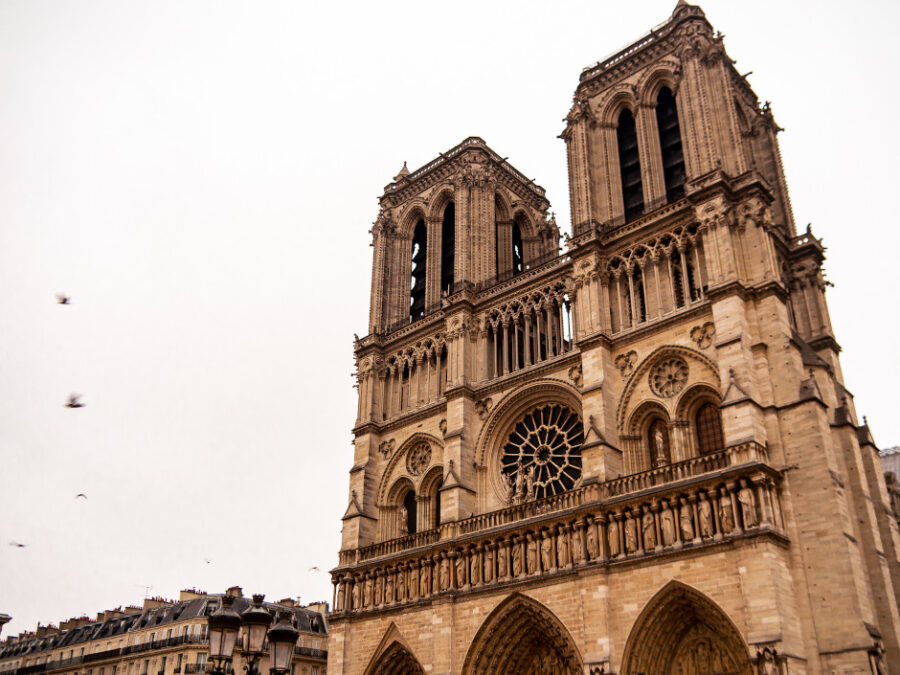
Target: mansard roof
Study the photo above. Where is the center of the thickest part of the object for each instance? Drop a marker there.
(448, 164)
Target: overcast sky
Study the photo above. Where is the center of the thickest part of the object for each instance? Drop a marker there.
(201, 178)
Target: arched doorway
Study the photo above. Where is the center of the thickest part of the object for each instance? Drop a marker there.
(683, 632)
(522, 637)
(393, 656)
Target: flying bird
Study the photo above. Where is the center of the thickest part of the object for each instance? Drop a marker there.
(17, 544)
(313, 569)
(74, 401)
(63, 299)
(207, 560)
(81, 495)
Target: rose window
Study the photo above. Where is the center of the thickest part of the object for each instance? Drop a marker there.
(669, 377)
(418, 459)
(546, 446)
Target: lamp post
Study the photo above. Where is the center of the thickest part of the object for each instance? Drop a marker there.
(255, 620)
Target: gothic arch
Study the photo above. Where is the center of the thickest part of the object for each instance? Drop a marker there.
(442, 196)
(660, 75)
(520, 637)
(705, 371)
(413, 212)
(525, 219)
(506, 413)
(503, 211)
(395, 469)
(393, 656)
(693, 397)
(681, 630)
(620, 97)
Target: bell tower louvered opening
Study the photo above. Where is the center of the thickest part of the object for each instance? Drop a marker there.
(630, 166)
(419, 271)
(670, 144)
(448, 243)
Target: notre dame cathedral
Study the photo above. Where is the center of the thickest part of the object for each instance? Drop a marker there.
(634, 455)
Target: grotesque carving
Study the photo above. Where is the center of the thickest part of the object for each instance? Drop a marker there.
(703, 335)
(386, 448)
(625, 363)
(483, 407)
(669, 377)
(575, 375)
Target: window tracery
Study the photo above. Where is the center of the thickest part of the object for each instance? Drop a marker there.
(708, 423)
(542, 454)
(669, 377)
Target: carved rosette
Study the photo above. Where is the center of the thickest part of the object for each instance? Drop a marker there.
(418, 459)
(669, 377)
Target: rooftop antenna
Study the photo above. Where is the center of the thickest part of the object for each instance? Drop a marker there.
(146, 589)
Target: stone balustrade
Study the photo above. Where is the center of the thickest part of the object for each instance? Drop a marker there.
(700, 502)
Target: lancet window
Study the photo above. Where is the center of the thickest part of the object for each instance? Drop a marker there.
(448, 248)
(658, 443)
(418, 271)
(526, 332)
(630, 166)
(413, 377)
(408, 526)
(518, 257)
(670, 144)
(708, 423)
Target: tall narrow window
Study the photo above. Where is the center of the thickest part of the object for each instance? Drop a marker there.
(437, 504)
(518, 259)
(709, 429)
(417, 280)
(670, 144)
(448, 244)
(630, 166)
(409, 502)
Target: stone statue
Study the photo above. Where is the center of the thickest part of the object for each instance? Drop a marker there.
(413, 583)
(502, 561)
(475, 568)
(667, 525)
(425, 580)
(659, 441)
(727, 512)
(591, 537)
(687, 521)
(706, 521)
(577, 547)
(367, 592)
(460, 570)
(401, 585)
(529, 483)
(613, 537)
(747, 501)
(649, 529)
(354, 596)
(766, 664)
(630, 535)
(562, 549)
(510, 489)
(488, 565)
(516, 559)
(531, 561)
(445, 574)
(404, 521)
(389, 588)
(379, 587)
(520, 482)
(547, 552)
(339, 603)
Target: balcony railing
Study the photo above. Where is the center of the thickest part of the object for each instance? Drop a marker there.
(194, 668)
(701, 502)
(99, 656)
(311, 653)
(745, 453)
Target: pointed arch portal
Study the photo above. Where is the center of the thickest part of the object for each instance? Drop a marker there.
(393, 656)
(683, 632)
(522, 637)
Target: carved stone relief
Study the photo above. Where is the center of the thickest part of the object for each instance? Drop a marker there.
(669, 377)
(418, 459)
(483, 407)
(386, 448)
(625, 363)
(703, 335)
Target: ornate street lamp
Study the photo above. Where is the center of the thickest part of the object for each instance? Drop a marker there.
(224, 624)
(282, 638)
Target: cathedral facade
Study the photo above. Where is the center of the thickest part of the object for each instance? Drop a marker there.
(633, 455)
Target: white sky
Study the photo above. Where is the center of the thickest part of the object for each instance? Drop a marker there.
(201, 177)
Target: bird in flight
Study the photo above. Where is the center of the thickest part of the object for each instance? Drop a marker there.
(17, 544)
(74, 401)
(207, 560)
(313, 569)
(63, 299)
(81, 495)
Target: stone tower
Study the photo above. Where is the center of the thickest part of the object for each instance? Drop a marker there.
(635, 455)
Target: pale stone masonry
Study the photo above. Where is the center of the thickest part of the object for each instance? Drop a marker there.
(634, 455)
